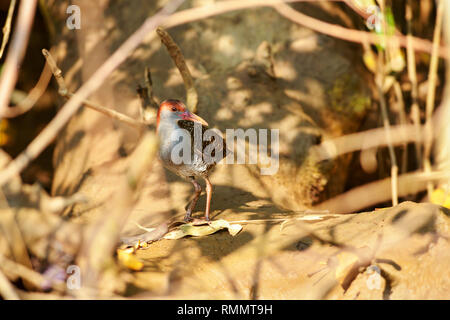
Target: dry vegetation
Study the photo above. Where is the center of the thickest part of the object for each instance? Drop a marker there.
(358, 156)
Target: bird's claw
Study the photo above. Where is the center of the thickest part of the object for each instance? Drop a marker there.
(199, 221)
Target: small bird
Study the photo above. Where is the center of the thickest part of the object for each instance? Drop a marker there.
(172, 116)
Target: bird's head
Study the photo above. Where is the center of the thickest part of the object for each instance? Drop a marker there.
(174, 110)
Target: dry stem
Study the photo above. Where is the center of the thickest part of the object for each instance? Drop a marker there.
(378, 192)
(26, 104)
(7, 291)
(148, 101)
(16, 52)
(346, 34)
(387, 128)
(7, 27)
(402, 118)
(411, 61)
(365, 140)
(178, 59)
(63, 91)
(432, 77)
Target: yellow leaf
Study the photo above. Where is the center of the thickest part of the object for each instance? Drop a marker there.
(5, 133)
(441, 197)
(189, 229)
(129, 260)
(369, 61)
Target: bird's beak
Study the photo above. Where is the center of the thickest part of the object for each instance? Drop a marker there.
(193, 117)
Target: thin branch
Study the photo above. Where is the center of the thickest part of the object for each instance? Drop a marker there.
(49, 133)
(411, 58)
(432, 77)
(7, 291)
(178, 59)
(149, 86)
(221, 7)
(63, 91)
(351, 35)
(402, 117)
(43, 8)
(28, 274)
(148, 101)
(387, 127)
(16, 52)
(30, 100)
(378, 192)
(369, 139)
(7, 27)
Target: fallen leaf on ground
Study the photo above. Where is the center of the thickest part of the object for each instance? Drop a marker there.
(441, 197)
(129, 260)
(190, 229)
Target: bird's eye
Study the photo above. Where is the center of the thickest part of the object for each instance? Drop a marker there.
(174, 109)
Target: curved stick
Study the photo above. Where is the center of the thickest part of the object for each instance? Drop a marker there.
(178, 59)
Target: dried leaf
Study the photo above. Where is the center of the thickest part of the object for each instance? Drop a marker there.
(129, 260)
(190, 229)
(370, 61)
(441, 197)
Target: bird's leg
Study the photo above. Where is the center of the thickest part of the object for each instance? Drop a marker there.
(191, 207)
(208, 198)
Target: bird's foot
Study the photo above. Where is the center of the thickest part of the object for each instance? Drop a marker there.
(199, 221)
(196, 221)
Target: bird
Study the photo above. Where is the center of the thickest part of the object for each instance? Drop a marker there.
(173, 116)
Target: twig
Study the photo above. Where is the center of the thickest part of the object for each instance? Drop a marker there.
(378, 192)
(148, 101)
(63, 91)
(16, 52)
(402, 117)
(30, 275)
(310, 217)
(6, 289)
(178, 59)
(7, 27)
(432, 76)
(49, 133)
(411, 58)
(365, 140)
(221, 7)
(47, 19)
(442, 129)
(387, 127)
(26, 104)
(346, 34)
(149, 86)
